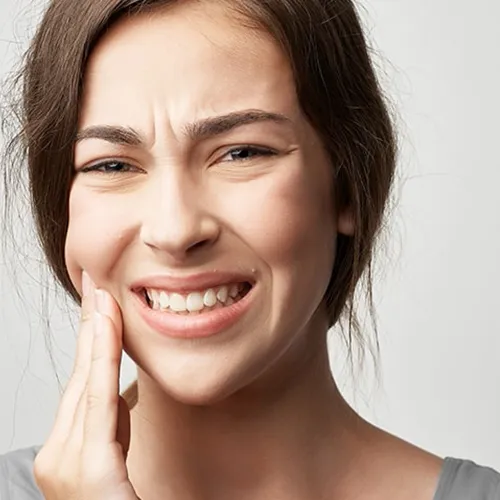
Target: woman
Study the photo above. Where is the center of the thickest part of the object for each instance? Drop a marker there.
(209, 179)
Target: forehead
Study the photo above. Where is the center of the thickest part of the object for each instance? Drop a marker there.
(189, 61)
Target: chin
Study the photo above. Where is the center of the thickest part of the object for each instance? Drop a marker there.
(192, 382)
(199, 392)
(205, 373)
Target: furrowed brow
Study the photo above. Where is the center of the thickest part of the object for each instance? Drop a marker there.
(203, 129)
(218, 125)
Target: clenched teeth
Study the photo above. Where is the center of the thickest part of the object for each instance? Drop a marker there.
(195, 302)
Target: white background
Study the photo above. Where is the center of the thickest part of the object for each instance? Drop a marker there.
(438, 304)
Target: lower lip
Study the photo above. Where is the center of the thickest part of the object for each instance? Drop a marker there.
(205, 324)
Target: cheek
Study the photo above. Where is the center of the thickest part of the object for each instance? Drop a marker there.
(287, 220)
(97, 233)
(286, 217)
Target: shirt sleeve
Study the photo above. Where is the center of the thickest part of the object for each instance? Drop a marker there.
(465, 480)
(17, 481)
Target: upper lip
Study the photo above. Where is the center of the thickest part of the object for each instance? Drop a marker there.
(191, 283)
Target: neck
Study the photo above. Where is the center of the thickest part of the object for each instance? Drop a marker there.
(287, 439)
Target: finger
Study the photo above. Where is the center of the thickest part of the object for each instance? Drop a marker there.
(112, 310)
(77, 434)
(84, 343)
(103, 384)
(106, 304)
(76, 385)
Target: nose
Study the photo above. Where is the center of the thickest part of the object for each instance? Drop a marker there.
(176, 219)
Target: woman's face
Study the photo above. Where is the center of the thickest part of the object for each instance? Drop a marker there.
(213, 177)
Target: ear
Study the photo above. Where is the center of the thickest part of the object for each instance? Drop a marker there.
(345, 223)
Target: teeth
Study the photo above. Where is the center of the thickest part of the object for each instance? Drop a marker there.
(210, 298)
(194, 302)
(222, 294)
(155, 298)
(164, 300)
(177, 302)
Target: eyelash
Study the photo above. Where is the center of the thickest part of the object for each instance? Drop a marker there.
(261, 151)
(102, 167)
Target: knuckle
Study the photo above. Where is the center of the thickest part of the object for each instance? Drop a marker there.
(56, 472)
(43, 467)
(93, 401)
(47, 467)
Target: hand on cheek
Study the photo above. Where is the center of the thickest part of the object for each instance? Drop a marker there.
(84, 456)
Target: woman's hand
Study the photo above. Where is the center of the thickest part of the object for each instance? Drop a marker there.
(84, 456)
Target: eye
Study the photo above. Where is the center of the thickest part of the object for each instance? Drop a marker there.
(246, 153)
(109, 167)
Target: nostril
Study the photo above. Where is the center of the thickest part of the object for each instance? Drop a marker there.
(197, 245)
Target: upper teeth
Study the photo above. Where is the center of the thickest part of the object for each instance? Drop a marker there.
(194, 301)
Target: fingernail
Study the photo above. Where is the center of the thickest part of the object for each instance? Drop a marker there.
(103, 302)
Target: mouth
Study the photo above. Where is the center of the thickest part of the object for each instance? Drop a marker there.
(195, 314)
(198, 305)
(197, 302)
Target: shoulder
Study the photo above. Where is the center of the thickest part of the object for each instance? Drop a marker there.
(464, 480)
(16, 475)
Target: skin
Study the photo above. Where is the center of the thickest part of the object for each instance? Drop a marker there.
(254, 413)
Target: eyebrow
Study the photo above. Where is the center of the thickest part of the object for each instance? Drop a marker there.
(196, 131)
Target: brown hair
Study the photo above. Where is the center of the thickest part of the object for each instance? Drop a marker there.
(336, 85)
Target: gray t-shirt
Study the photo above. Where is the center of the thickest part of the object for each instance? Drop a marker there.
(459, 480)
